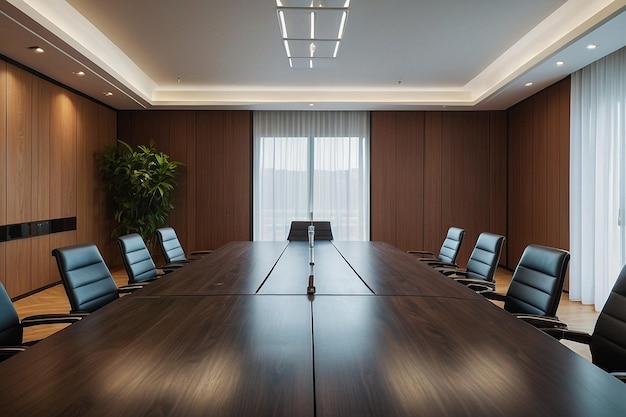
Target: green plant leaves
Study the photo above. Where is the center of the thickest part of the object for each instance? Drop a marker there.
(139, 183)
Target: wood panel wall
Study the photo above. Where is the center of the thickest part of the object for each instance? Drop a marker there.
(433, 170)
(47, 139)
(213, 198)
(538, 157)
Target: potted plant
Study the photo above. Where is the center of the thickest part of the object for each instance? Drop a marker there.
(139, 182)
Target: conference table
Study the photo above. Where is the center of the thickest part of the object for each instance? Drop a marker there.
(241, 333)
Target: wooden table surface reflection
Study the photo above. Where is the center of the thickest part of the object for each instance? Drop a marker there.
(235, 334)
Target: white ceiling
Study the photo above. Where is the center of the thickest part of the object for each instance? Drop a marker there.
(396, 54)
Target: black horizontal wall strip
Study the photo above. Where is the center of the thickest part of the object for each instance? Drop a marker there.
(38, 228)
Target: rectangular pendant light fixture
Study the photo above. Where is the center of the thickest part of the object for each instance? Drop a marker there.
(312, 30)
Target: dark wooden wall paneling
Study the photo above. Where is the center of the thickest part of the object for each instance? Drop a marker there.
(433, 167)
(213, 199)
(383, 176)
(433, 170)
(538, 158)
(410, 187)
(498, 177)
(183, 129)
(47, 139)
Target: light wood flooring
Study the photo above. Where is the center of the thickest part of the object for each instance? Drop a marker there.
(53, 300)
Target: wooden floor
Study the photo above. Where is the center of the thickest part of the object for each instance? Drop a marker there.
(53, 300)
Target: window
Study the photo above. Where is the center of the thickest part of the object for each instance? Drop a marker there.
(311, 165)
(598, 178)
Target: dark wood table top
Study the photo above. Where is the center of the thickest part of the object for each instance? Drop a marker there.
(389, 271)
(431, 356)
(170, 356)
(332, 274)
(235, 334)
(236, 268)
(373, 268)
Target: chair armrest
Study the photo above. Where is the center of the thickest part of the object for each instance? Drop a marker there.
(542, 322)
(446, 270)
(427, 259)
(125, 289)
(619, 375)
(8, 351)
(478, 285)
(197, 255)
(451, 272)
(573, 335)
(492, 295)
(201, 252)
(52, 319)
(173, 265)
(423, 255)
(436, 263)
(442, 265)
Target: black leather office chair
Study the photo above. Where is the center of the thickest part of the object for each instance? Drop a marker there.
(137, 260)
(449, 249)
(299, 230)
(12, 328)
(87, 280)
(607, 342)
(481, 266)
(536, 285)
(172, 249)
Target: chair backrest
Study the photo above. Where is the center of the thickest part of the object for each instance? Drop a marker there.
(537, 281)
(451, 245)
(484, 259)
(608, 340)
(299, 230)
(170, 245)
(11, 331)
(136, 258)
(87, 280)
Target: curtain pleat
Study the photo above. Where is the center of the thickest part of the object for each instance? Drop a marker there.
(597, 178)
(311, 163)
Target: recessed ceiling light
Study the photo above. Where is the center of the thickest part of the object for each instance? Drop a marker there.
(108, 94)
(592, 46)
(560, 63)
(528, 84)
(79, 73)
(36, 49)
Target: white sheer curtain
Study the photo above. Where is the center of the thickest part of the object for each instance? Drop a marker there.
(311, 163)
(597, 178)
